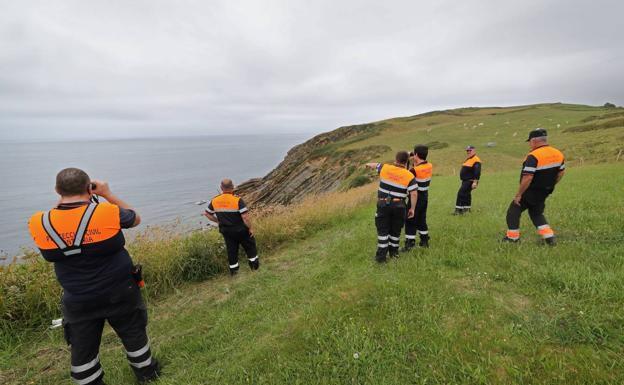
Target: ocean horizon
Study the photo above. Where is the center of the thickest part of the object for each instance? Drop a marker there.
(163, 178)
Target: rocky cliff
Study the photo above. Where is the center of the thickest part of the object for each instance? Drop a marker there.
(316, 166)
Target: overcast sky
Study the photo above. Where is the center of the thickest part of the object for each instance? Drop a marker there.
(116, 68)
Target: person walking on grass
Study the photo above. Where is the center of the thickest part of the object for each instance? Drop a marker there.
(395, 183)
(232, 215)
(542, 169)
(469, 174)
(84, 240)
(422, 171)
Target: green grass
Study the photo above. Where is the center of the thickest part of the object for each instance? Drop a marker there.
(469, 310)
(585, 134)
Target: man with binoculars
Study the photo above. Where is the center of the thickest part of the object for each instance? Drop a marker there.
(84, 240)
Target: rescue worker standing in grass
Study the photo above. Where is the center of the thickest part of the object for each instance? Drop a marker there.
(542, 169)
(85, 242)
(230, 212)
(422, 171)
(395, 183)
(469, 175)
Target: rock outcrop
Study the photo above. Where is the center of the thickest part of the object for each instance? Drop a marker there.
(316, 166)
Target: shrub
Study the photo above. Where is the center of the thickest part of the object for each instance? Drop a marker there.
(358, 181)
(436, 145)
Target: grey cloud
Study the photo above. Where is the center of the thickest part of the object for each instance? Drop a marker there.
(193, 67)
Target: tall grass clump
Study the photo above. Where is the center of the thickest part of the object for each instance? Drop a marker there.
(30, 295)
(280, 224)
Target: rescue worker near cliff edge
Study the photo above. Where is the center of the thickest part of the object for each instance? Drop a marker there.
(542, 169)
(422, 171)
(232, 215)
(85, 242)
(395, 183)
(469, 174)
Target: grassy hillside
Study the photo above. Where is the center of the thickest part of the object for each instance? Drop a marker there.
(585, 134)
(469, 310)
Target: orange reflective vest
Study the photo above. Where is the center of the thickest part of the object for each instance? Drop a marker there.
(228, 209)
(544, 163)
(395, 181)
(69, 230)
(471, 169)
(423, 172)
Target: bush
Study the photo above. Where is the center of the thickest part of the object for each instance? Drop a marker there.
(437, 145)
(358, 181)
(29, 293)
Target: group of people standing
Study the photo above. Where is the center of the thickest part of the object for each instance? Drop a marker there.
(84, 240)
(397, 184)
(403, 194)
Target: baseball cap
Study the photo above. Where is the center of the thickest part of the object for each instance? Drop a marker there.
(538, 132)
(470, 148)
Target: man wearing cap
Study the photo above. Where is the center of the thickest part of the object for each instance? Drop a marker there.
(542, 169)
(469, 175)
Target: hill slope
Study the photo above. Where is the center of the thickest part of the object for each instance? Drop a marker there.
(467, 311)
(330, 161)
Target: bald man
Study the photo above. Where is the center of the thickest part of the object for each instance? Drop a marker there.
(231, 213)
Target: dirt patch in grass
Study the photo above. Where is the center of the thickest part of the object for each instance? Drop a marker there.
(349, 295)
(464, 285)
(512, 301)
(285, 265)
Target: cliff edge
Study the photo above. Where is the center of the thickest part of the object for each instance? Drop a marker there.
(318, 165)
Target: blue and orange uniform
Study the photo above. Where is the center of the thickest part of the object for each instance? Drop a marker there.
(85, 242)
(418, 224)
(395, 184)
(470, 172)
(229, 209)
(545, 163)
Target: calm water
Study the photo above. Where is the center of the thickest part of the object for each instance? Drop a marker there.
(161, 178)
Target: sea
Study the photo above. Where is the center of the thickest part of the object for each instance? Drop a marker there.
(167, 180)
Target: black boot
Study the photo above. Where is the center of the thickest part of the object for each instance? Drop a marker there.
(255, 265)
(424, 241)
(381, 259)
(458, 211)
(409, 244)
(153, 376)
(550, 241)
(509, 240)
(380, 256)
